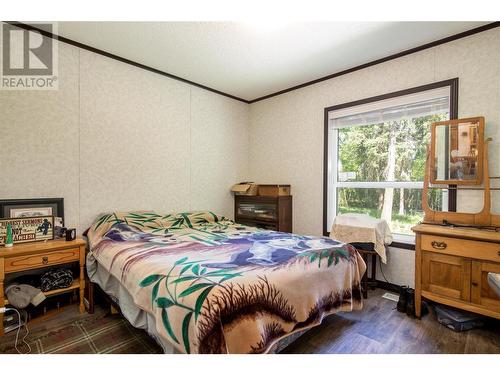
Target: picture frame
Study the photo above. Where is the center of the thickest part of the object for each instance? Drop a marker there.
(27, 207)
(30, 212)
(19, 208)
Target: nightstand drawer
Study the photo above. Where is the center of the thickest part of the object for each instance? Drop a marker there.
(464, 248)
(26, 262)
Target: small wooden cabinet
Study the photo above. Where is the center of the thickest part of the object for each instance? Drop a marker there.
(274, 213)
(452, 265)
(33, 255)
(446, 275)
(481, 293)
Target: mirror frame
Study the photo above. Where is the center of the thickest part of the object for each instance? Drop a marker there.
(480, 149)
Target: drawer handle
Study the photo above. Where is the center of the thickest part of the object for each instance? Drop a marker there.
(45, 260)
(439, 245)
(474, 283)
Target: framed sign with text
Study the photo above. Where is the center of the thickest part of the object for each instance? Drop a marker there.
(28, 229)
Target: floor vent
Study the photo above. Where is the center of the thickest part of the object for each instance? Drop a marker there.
(391, 296)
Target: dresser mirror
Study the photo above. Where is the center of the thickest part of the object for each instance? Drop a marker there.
(457, 151)
(457, 181)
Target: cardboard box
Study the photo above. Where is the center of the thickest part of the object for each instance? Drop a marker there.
(274, 190)
(245, 188)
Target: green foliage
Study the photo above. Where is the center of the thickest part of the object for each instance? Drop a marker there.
(364, 150)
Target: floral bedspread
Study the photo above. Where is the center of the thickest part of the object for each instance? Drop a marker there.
(214, 286)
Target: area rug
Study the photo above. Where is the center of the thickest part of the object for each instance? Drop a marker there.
(110, 334)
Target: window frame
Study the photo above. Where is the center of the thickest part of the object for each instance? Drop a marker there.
(453, 86)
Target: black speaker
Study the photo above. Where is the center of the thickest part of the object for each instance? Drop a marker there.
(70, 234)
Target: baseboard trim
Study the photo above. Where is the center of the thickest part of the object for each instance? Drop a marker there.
(388, 286)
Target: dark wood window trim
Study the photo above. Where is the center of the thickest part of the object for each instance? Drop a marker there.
(452, 83)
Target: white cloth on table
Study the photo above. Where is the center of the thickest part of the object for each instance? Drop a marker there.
(362, 228)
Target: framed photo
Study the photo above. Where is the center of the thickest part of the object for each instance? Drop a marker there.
(29, 212)
(28, 229)
(18, 208)
(21, 208)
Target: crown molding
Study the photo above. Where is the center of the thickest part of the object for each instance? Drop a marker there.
(293, 88)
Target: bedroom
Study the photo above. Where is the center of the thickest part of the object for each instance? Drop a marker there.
(136, 143)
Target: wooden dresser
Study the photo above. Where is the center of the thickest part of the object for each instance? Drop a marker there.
(274, 213)
(34, 255)
(452, 265)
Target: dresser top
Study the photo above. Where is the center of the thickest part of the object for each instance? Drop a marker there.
(39, 246)
(458, 232)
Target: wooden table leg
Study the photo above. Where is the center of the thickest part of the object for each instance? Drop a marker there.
(418, 278)
(364, 279)
(374, 271)
(2, 297)
(82, 278)
(90, 287)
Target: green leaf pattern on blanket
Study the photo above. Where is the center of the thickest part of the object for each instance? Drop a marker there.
(332, 255)
(197, 279)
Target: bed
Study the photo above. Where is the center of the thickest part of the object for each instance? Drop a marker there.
(199, 283)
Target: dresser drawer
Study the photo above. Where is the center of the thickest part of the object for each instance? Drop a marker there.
(464, 248)
(26, 262)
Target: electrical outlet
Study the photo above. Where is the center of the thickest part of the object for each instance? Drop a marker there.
(390, 296)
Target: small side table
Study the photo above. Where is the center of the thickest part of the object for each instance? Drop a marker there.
(34, 255)
(369, 236)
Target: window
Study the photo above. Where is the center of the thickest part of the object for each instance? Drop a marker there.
(375, 153)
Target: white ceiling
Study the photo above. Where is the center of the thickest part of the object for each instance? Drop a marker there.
(250, 60)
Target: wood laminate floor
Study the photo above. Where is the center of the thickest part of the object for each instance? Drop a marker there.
(378, 328)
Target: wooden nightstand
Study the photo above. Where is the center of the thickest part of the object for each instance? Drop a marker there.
(33, 255)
